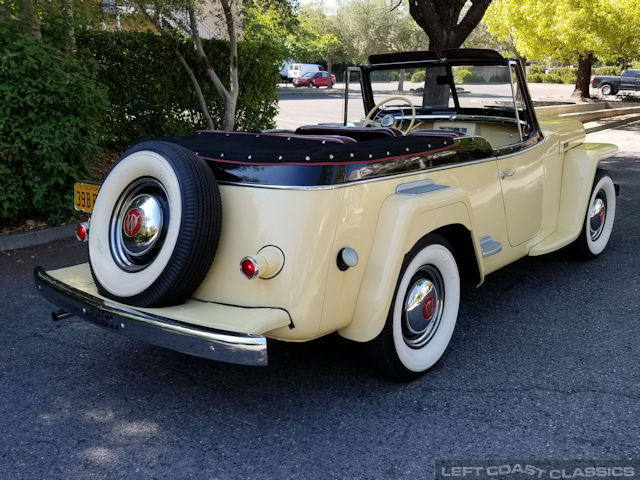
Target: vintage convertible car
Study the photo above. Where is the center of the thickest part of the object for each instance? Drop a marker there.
(212, 242)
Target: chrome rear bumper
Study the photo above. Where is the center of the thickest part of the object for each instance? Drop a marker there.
(244, 349)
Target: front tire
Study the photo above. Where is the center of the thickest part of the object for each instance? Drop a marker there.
(423, 312)
(155, 226)
(310, 85)
(598, 223)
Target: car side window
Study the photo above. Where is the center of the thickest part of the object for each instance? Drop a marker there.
(627, 74)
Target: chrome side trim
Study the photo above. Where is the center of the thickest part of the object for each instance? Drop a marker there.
(419, 187)
(231, 347)
(489, 246)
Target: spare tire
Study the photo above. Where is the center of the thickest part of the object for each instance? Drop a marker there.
(155, 226)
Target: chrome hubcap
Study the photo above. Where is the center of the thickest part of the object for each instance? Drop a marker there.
(138, 224)
(597, 215)
(141, 225)
(422, 308)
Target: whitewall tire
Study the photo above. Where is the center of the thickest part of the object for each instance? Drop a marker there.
(423, 312)
(155, 226)
(599, 219)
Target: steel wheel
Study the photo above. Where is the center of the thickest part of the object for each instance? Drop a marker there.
(606, 89)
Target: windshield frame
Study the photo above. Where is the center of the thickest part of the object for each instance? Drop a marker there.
(369, 102)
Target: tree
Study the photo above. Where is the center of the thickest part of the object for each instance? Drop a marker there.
(314, 40)
(445, 22)
(376, 26)
(572, 31)
(174, 18)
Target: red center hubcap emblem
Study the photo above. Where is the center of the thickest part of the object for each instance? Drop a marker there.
(601, 216)
(428, 308)
(132, 222)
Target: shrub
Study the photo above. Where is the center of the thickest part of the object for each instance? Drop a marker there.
(535, 78)
(536, 69)
(567, 75)
(552, 78)
(418, 77)
(466, 75)
(50, 116)
(608, 71)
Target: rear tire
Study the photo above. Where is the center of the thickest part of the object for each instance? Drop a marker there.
(159, 258)
(598, 223)
(607, 89)
(423, 312)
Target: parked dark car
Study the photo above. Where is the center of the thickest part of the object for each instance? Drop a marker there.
(629, 80)
(314, 79)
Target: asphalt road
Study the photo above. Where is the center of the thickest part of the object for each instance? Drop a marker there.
(543, 365)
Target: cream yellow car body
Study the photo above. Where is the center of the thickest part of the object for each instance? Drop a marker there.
(312, 225)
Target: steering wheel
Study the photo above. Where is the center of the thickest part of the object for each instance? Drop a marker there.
(369, 121)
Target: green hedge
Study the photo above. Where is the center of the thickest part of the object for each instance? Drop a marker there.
(557, 75)
(51, 111)
(608, 71)
(466, 75)
(151, 95)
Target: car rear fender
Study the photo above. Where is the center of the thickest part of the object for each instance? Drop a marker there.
(404, 219)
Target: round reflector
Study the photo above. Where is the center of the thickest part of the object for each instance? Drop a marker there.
(249, 267)
(81, 232)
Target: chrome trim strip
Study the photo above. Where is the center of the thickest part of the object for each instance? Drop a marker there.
(419, 187)
(489, 246)
(230, 347)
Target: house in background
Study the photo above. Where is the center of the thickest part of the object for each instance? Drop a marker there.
(211, 23)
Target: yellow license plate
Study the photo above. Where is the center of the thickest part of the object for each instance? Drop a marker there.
(84, 195)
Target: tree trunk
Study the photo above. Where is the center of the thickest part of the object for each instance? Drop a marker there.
(439, 20)
(29, 12)
(436, 94)
(584, 76)
(329, 68)
(401, 81)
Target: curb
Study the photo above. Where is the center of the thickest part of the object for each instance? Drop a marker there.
(15, 241)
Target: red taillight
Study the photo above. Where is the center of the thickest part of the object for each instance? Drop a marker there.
(249, 267)
(82, 232)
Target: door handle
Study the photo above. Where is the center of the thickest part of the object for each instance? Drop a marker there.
(504, 174)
